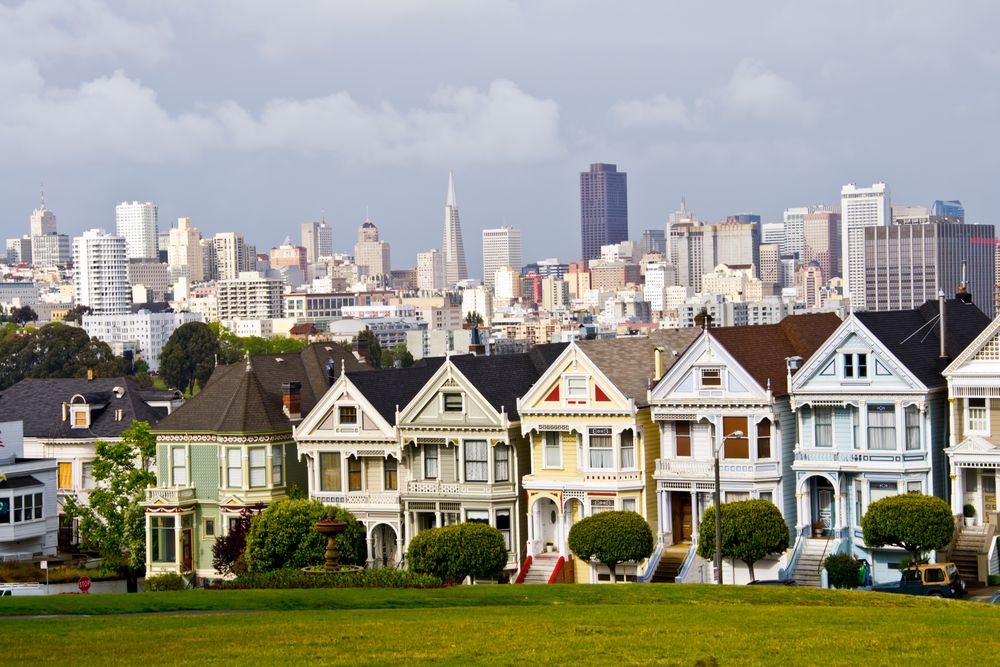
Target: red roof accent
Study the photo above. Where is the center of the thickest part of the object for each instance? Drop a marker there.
(553, 395)
(599, 394)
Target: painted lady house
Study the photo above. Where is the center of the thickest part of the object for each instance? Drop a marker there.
(229, 448)
(593, 446)
(727, 396)
(974, 453)
(872, 416)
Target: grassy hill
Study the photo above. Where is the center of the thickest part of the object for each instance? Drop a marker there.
(684, 625)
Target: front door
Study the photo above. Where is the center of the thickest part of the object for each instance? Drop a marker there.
(824, 500)
(186, 559)
(989, 496)
(680, 516)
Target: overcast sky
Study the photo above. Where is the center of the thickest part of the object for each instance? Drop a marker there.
(256, 116)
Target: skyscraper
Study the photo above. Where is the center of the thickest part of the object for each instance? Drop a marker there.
(454, 250)
(501, 247)
(430, 270)
(370, 254)
(101, 272)
(233, 256)
(184, 256)
(603, 208)
(43, 221)
(317, 239)
(860, 208)
(136, 223)
(697, 249)
(792, 219)
(821, 242)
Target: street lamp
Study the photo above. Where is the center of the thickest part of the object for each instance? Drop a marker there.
(718, 507)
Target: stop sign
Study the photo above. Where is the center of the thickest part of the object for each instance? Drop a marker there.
(83, 584)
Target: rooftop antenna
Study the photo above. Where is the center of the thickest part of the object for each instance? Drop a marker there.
(684, 205)
(43, 197)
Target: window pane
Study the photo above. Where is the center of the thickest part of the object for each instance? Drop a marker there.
(764, 439)
(553, 452)
(711, 377)
(348, 415)
(501, 458)
(258, 467)
(503, 525)
(178, 457)
(353, 474)
(628, 450)
(601, 452)
(862, 365)
(477, 461)
(477, 516)
(824, 426)
(390, 468)
(738, 447)
(576, 387)
(235, 468)
(912, 417)
(452, 402)
(65, 475)
(682, 438)
(277, 464)
(881, 427)
(430, 461)
(329, 471)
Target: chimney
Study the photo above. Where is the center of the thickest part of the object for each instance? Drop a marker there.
(657, 363)
(291, 399)
(941, 322)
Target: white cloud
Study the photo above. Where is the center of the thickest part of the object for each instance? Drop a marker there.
(659, 111)
(758, 92)
(78, 28)
(117, 118)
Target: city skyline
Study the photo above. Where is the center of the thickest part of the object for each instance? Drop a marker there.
(107, 110)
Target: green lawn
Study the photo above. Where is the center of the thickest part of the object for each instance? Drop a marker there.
(683, 625)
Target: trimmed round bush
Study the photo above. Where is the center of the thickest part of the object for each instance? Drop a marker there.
(453, 553)
(912, 521)
(612, 538)
(284, 536)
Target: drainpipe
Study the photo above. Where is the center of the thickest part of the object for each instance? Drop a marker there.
(941, 321)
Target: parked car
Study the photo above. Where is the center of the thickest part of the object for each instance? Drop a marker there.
(931, 579)
(996, 598)
(772, 582)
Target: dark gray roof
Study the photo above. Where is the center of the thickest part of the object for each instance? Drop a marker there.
(235, 401)
(19, 482)
(913, 335)
(388, 388)
(39, 404)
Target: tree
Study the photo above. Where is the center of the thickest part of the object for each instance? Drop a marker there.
(912, 521)
(459, 551)
(189, 356)
(76, 313)
(374, 349)
(397, 357)
(473, 317)
(751, 530)
(229, 550)
(284, 535)
(23, 315)
(611, 538)
(113, 522)
(56, 351)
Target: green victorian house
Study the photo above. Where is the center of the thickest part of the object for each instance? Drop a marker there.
(229, 448)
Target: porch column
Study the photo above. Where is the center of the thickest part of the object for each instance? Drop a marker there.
(695, 515)
(178, 543)
(802, 498)
(459, 457)
(149, 542)
(369, 544)
(957, 488)
(561, 527)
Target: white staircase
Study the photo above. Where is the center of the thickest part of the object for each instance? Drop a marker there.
(541, 568)
(971, 542)
(810, 564)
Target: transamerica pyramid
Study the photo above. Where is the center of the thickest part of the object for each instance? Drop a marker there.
(454, 251)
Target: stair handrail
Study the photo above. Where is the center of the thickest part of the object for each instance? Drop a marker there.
(557, 570)
(523, 571)
(793, 560)
(822, 556)
(652, 563)
(686, 565)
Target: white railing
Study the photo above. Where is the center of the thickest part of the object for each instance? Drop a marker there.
(171, 495)
(389, 498)
(674, 467)
(438, 488)
(855, 456)
(612, 476)
(706, 469)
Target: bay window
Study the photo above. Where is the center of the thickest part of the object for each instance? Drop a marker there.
(824, 426)
(627, 449)
(329, 471)
(258, 467)
(764, 439)
(912, 419)
(353, 474)
(552, 456)
(163, 540)
(277, 464)
(501, 463)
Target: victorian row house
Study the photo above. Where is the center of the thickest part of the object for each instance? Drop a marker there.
(231, 448)
(727, 397)
(593, 444)
(871, 410)
(433, 445)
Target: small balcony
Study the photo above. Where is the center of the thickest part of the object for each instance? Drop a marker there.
(382, 499)
(438, 488)
(614, 476)
(170, 495)
(851, 460)
(692, 469)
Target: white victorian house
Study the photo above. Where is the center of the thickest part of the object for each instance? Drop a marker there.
(871, 415)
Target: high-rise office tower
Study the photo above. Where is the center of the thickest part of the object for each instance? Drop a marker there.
(859, 208)
(697, 249)
(792, 219)
(233, 256)
(101, 272)
(370, 254)
(50, 250)
(288, 254)
(770, 263)
(951, 210)
(653, 240)
(317, 239)
(430, 270)
(454, 250)
(43, 221)
(184, 256)
(905, 265)
(136, 223)
(603, 208)
(501, 247)
(773, 232)
(821, 241)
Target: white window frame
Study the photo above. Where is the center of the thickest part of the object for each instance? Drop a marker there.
(907, 411)
(610, 449)
(259, 467)
(277, 465)
(230, 467)
(497, 469)
(461, 397)
(969, 425)
(557, 435)
(633, 501)
(887, 407)
(176, 467)
(357, 416)
(574, 393)
(484, 462)
(711, 369)
(621, 450)
(855, 357)
(815, 420)
(425, 459)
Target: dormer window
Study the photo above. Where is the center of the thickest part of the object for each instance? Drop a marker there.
(348, 415)
(576, 387)
(855, 365)
(711, 377)
(81, 416)
(452, 402)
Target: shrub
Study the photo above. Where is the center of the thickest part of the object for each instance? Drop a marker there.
(842, 570)
(612, 538)
(29, 572)
(229, 550)
(291, 578)
(969, 510)
(912, 521)
(751, 530)
(165, 582)
(455, 552)
(284, 535)
(993, 579)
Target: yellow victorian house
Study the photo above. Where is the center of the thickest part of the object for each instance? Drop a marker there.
(593, 446)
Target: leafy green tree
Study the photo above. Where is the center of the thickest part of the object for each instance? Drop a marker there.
(76, 313)
(473, 317)
(253, 345)
(456, 552)
(284, 535)
(55, 351)
(23, 315)
(374, 349)
(230, 345)
(398, 357)
(611, 538)
(189, 356)
(751, 530)
(113, 522)
(912, 521)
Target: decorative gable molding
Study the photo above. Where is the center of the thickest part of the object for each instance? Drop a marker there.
(343, 390)
(681, 384)
(449, 377)
(548, 397)
(983, 348)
